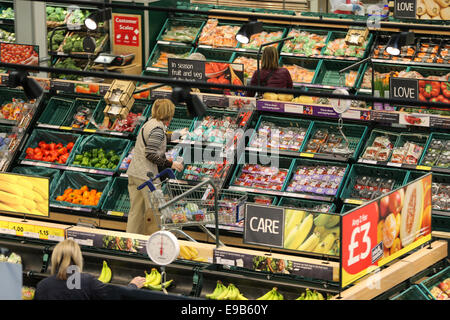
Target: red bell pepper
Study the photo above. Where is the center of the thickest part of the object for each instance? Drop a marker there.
(52, 146)
(445, 88)
(69, 146)
(432, 89)
(59, 145)
(63, 158)
(61, 151)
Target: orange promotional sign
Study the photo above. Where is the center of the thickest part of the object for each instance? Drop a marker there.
(385, 229)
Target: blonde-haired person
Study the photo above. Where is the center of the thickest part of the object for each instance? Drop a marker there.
(64, 284)
(149, 156)
(271, 74)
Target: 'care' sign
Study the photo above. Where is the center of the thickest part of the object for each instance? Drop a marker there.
(264, 225)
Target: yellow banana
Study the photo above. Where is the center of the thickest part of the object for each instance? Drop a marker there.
(224, 293)
(8, 188)
(333, 221)
(157, 279)
(326, 244)
(42, 207)
(194, 252)
(42, 191)
(160, 286)
(8, 178)
(185, 253)
(296, 219)
(5, 207)
(10, 199)
(233, 292)
(105, 275)
(267, 295)
(14, 207)
(217, 291)
(299, 234)
(321, 219)
(200, 259)
(29, 204)
(149, 277)
(310, 243)
(325, 231)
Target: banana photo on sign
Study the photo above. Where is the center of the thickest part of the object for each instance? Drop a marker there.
(24, 194)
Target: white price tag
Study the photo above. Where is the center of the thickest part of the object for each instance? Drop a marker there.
(293, 108)
(392, 164)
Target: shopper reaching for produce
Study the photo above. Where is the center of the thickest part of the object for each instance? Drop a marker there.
(149, 157)
(347, 7)
(63, 284)
(271, 75)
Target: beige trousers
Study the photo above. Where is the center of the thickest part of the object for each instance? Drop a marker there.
(141, 218)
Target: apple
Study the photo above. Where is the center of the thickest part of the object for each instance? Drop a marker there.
(396, 201)
(384, 207)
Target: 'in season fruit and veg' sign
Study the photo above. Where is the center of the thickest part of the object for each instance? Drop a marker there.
(386, 228)
(209, 71)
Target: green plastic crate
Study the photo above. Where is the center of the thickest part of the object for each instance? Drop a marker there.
(119, 146)
(252, 196)
(217, 55)
(379, 67)
(180, 120)
(7, 95)
(327, 73)
(428, 284)
(248, 55)
(91, 104)
(399, 176)
(309, 162)
(138, 107)
(175, 22)
(440, 223)
(354, 133)
(50, 136)
(220, 24)
(310, 64)
(118, 198)
(341, 35)
(56, 111)
(412, 293)
(171, 49)
(392, 135)
(53, 174)
(347, 207)
(283, 163)
(75, 180)
(304, 204)
(434, 135)
(286, 50)
(266, 28)
(419, 139)
(283, 122)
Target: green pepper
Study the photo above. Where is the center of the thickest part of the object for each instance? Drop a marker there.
(103, 161)
(79, 157)
(94, 161)
(110, 154)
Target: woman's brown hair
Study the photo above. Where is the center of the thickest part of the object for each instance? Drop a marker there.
(269, 60)
(65, 254)
(163, 110)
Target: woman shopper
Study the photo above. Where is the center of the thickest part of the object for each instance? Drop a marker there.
(271, 74)
(65, 261)
(149, 157)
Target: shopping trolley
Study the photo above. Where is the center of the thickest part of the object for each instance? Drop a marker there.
(179, 205)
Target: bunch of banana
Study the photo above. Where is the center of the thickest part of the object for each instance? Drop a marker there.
(300, 234)
(272, 295)
(311, 295)
(23, 194)
(106, 274)
(190, 253)
(221, 292)
(297, 229)
(153, 280)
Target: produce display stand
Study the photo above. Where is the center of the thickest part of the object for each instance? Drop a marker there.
(196, 279)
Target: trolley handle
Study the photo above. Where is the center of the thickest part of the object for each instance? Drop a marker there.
(165, 173)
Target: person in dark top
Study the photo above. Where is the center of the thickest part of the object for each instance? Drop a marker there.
(65, 284)
(271, 74)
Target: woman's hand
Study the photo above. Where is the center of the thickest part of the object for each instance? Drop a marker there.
(178, 166)
(138, 282)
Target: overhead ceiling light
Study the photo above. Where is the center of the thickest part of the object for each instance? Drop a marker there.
(195, 106)
(30, 86)
(96, 17)
(396, 42)
(247, 30)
